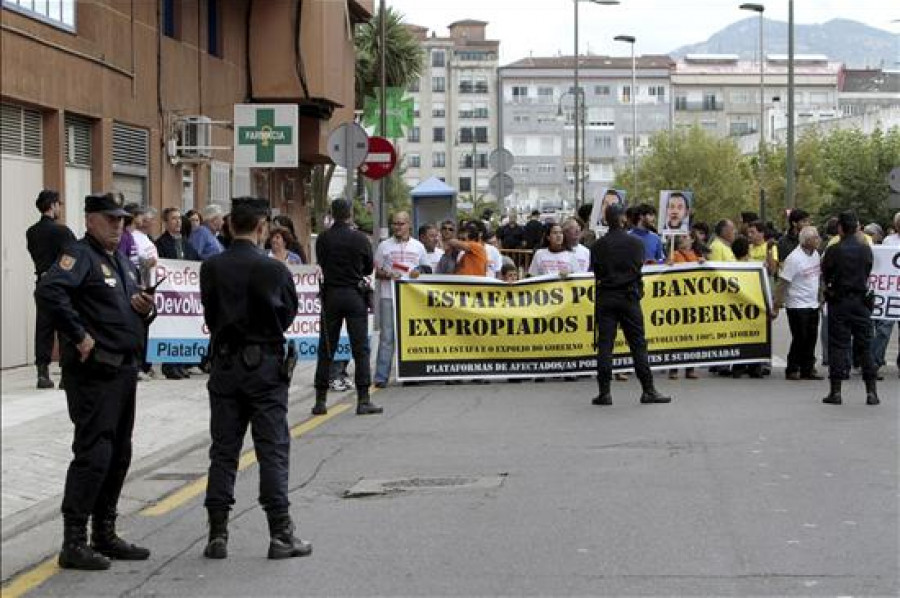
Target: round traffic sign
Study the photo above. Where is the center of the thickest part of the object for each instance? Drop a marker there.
(501, 160)
(894, 179)
(381, 159)
(348, 145)
(501, 185)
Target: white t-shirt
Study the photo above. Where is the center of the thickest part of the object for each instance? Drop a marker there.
(892, 240)
(400, 257)
(146, 249)
(802, 271)
(432, 259)
(494, 260)
(547, 262)
(582, 257)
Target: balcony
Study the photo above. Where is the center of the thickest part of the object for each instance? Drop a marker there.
(715, 105)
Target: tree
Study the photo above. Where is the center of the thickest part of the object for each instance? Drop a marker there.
(693, 160)
(812, 182)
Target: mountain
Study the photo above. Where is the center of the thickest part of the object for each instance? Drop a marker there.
(853, 43)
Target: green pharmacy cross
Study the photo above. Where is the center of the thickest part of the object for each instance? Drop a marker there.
(399, 112)
(265, 135)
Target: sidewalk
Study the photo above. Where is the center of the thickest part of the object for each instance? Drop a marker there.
(172, 420)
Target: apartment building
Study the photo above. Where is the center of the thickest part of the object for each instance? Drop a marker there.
(720, 92)
(538, 122)
(138, 97)
(867, 90)
(456, 108)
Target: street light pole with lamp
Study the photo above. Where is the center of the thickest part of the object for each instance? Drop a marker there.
(759, 8)
(579, 182)
(630, 39)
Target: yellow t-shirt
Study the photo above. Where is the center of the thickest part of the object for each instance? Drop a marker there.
(836, 239)
(720, 252)
(758, 253)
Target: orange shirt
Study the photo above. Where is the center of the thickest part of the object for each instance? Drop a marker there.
(474, 260)
(682, 256)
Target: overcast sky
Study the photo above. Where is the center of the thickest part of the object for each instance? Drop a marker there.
(545, 27)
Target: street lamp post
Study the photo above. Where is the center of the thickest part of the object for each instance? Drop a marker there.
(789, 179)
(630, 39)
(579, 182)
(759, 8)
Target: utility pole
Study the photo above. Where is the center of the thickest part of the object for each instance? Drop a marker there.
(789, 178)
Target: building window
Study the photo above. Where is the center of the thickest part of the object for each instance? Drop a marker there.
(438, 159)
(171, 18)
(438, 84)
(627, 143)
(626, 94)
(416, 111)
(438, 134)
(214, 28)
(414, 135)
(413, 160)
(658, 92)
(438, 58)
(59, 13)
(545, 94)
(519, 93)
(438, 110)
(481, 84)
(603, 142)
(481, 161)
(481, 111)
(465, 135)
(465, 184)
(601, 90)
(414, 85)
(481, 134)
(681, 102)
(710, 102)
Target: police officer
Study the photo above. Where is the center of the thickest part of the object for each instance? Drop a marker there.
(345, 256)
(46, 240)
(249, 300)
(845, 272)
(616, 260)
(93, 294)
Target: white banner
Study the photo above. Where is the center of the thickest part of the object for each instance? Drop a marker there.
(179, 334)
(885, 281)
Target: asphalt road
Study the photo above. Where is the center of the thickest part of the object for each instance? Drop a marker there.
(739, 487)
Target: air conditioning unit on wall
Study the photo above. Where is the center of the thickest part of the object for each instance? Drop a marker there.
(195, 133)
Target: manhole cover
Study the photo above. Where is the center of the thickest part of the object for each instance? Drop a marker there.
(416, 484)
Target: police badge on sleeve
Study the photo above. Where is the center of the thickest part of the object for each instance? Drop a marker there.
(66, 262)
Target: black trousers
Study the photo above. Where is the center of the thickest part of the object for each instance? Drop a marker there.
(43, 338)
(238, 397)
(101, 405)
(623, 308)
(344, 304)
(849, 324)
(804, 325)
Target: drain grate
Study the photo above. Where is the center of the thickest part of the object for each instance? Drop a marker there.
(367, 487)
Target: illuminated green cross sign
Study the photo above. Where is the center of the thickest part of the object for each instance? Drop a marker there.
(399, 111)
(265, 135)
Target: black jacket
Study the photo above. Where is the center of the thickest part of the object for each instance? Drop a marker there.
(616, 260)
(345, 256)
(88, 290)
(846, 267)
(46, 239)
(168, 248)
(248, 297)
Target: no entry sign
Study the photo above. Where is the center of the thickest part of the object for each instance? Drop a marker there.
(381, 159)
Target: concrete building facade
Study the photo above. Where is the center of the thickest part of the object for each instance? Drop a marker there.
(456, 108)
(131, 96)
(538, 122)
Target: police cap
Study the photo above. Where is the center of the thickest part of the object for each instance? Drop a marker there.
(105, 203)
(254, 206)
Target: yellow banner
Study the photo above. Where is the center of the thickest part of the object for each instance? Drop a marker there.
(457, 327)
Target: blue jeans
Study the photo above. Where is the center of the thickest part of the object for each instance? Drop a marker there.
(385, 358)
(880, 340)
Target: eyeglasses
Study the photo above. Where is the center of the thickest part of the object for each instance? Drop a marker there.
(449, 228)
(398, 223)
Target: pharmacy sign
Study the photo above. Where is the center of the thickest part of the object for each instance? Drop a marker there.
(265, 135)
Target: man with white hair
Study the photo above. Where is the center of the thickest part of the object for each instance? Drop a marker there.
(797, 290)
(204, 238)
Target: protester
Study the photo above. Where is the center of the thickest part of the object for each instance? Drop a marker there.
(797, 220)
(494, 257)
(473, 260)
(203, 236)
(572, 240)
(284, 221)
(511, 234)
(761, 250)
(195, 218)
(845, 272)
(554, 258)
(797, 290)
(684, 254)
(509, 273)
(394, 258)
(46, 240)
(700, 236)
(617, 261)
(534, 231)
(644, 227)
(720, 248)
(279, 240)
(94, 297)
(147, 223)
(429, 237)
(447, 261)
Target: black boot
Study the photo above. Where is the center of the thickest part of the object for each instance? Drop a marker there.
(605, 396)
(365, 406)
(320, 408)
(872, 392)
(217, 544)
(834, 397)
(75, 553)
(105, 541)
(43, 377)
(650, 394)
(283, 543)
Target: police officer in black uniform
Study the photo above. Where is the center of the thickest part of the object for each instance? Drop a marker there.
(845, 272)
(46, 240)
(616, 260)
(94, 297)
(345, 256)
(249, 300)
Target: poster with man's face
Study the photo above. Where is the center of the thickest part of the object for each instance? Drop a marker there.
(606, 198)
(675, 212)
